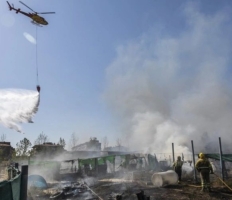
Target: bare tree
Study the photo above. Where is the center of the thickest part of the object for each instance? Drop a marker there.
(73, 140)
(22, 148)
(119, 142)
(3, 137)
(105, 142)
(62, 142)
(42, 138)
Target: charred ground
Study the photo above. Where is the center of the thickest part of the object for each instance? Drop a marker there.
(118, 188)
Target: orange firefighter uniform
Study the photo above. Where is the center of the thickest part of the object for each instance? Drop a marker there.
(204, 167)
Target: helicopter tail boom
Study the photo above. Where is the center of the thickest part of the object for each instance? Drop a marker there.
(17, 10)
(12, 8)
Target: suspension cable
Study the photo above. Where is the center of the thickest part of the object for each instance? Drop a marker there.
(36, 57)
(36, 62)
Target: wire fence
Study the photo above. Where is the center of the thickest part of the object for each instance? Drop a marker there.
(8, 172)
(10, 186)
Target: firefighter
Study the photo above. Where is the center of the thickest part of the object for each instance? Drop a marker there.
(178, 167)
(204, 167)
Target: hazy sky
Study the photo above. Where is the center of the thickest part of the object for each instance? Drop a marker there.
(114, 67)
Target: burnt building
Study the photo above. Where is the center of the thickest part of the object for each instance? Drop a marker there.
(47, 150)
(92, 145)
(117, 149)
(6, 151)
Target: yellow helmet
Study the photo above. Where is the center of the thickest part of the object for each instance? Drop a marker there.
(201, 155)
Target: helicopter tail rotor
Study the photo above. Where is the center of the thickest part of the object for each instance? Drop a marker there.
(10, 7)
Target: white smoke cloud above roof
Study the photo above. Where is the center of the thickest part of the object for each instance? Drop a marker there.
(175, 89)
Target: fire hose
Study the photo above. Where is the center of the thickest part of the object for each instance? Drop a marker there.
(197, 186)
(93, 191)
(223, 182)
(218, 178)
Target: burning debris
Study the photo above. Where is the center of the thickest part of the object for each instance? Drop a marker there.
(114, 196)
(142, 196)
(71, 190)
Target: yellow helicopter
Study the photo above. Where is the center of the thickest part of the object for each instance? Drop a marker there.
(36, 19)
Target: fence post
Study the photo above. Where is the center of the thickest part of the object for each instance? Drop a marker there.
(173, 154)
(194, 163)
(221, 162)
(114, 164)
(96, 165)
(17, 165)
(23, 187)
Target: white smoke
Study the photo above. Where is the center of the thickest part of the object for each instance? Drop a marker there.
(167, 89)
(17, 106)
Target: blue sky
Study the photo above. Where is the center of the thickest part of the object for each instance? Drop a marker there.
(77, 50)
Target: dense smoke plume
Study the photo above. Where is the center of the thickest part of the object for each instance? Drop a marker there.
(17, 106)
(166, 89)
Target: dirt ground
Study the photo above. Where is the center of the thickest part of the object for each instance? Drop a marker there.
(110, 188)
(182, 191)
(188, 189)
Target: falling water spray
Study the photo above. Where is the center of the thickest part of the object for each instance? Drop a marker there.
(18, 106)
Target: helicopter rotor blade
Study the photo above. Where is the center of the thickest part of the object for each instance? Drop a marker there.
(27, 6)
(47, 13)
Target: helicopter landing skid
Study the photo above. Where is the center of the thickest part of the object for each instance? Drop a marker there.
(33, 22)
